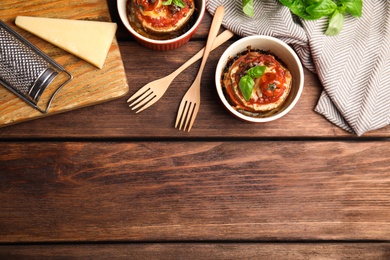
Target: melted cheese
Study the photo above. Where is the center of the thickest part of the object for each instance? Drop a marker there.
(88, 40)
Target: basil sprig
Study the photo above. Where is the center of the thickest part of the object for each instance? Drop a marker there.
(247, 82)
(179, 3)
(247, 7)
(335, 10)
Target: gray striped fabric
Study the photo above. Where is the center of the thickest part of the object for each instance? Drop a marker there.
(353, 67)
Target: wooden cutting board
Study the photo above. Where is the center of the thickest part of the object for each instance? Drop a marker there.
(89, 85)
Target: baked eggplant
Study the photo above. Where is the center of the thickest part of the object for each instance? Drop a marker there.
(270, 90)
(160, 19)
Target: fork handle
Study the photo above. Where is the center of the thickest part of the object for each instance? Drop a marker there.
(222, 38)
(215, 25)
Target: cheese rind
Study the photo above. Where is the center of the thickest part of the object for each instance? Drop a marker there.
(88, 40)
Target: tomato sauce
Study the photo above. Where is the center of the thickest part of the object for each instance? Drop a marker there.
(173, 14)
(269, 89)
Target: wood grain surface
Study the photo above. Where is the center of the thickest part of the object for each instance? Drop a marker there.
(146, 191)
(203, 251)
(89, 86)
(103, 182)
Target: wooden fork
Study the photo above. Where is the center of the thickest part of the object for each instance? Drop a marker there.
(153, 91)
(190, 103)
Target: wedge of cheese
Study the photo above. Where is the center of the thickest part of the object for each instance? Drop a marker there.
(88, 40)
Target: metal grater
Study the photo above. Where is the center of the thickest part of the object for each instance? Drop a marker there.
(25, 70)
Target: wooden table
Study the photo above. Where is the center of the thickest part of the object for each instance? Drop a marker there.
(102, 181)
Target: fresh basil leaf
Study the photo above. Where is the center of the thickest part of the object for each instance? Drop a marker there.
(336, 23)
(248, 7)
(179, 3)
(354, 7)
(315, 9)
(168, 2)
(287, 3)
(298, 7)
(323, 8)
(256, 72)
(246, 85)
(313, 2)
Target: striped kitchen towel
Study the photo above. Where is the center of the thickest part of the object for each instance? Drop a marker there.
(353, 67)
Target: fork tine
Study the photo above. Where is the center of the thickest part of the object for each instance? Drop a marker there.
(187, 117)
(181, 114)
(140, 92)
(144, 104)
(137, 97)
(193, 116)
(142, 99)
(189, 112)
